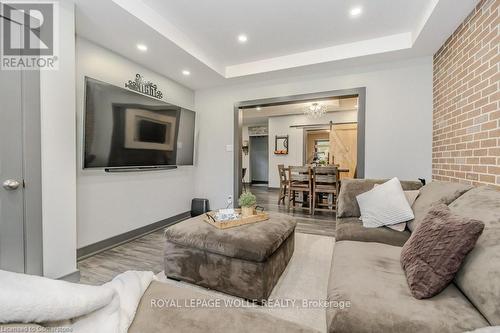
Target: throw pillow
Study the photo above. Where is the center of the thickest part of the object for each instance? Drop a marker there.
(436, 249)
(411, 196)
(384, 205)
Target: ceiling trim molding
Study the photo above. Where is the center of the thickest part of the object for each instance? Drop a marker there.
(425, 18)
(338, 52)
(151, 18)
(172, 49)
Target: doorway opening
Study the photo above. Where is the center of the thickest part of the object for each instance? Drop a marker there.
(331, 135)
(317, 147)
(259, 160)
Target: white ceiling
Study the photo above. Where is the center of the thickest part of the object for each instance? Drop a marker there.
(254, 116)
(281, 27)
(283, 35)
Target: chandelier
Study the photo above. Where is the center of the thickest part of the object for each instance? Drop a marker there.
(315, 110)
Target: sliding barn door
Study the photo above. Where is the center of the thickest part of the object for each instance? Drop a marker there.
(343, 147)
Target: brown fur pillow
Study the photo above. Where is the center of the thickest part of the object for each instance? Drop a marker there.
(436, 249)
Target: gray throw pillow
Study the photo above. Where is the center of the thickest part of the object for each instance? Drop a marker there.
(436, 249)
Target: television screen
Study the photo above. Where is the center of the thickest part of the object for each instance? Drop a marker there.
(127, 129)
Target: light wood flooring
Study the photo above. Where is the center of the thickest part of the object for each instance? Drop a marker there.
(146, 253)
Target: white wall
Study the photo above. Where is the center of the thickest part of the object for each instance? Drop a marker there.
(281, 126)
(58, 144)
(398, 120)
(111, 204)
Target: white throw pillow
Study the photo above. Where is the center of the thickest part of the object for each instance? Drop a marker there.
(411, 196)
(384, 205)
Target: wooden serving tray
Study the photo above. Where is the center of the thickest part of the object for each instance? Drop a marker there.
(259, 217)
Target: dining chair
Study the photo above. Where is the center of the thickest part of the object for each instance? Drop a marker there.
(282, 171)
(325, 182)
(299, 180)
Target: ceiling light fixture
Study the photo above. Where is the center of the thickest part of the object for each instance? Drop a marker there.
(242, 38)
(315, 110)
(186, 72)
(142, 47)
(258, 108)
(356, 11)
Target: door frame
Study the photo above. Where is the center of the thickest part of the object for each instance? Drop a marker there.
(32, 174)
(238, 124)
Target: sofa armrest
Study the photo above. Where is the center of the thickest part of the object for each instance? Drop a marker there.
(347, 205)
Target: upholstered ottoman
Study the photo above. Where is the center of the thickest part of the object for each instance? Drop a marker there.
(244, 261)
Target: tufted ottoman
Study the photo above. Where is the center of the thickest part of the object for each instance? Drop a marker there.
(244, 261)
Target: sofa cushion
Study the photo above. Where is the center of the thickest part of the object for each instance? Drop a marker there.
(436, 249)
(369, 275)
(479, 277)
(352, 229)
(347, 206)
(176, 315)
(254, 242)
(435, 193)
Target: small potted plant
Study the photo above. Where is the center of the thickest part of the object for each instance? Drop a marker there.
(247, 202)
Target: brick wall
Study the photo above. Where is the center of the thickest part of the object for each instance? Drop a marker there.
(466, 122)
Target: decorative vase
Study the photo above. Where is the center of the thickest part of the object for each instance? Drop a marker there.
(247, 211)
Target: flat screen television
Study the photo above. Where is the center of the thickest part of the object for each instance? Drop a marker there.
(124, 129)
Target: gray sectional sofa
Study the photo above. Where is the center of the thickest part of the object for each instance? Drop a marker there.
(366, 273)
(366, 269)
(150, 319)
(185, 319)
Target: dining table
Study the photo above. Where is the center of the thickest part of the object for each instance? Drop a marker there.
(339, 169)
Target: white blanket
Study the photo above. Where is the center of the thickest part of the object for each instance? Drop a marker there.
(109, 308)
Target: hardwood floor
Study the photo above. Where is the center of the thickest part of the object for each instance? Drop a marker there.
(142, 254)
(146, 253)
(323, 223)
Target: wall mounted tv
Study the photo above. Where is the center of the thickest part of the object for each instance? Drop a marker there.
(126, 130)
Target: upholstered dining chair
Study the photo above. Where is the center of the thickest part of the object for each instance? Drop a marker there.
(325, 182)
(299, 180)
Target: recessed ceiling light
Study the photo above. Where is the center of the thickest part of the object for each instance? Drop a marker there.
(258, 108)
(356, 11)
(142, 47)
(186, 72)
(242, 38)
